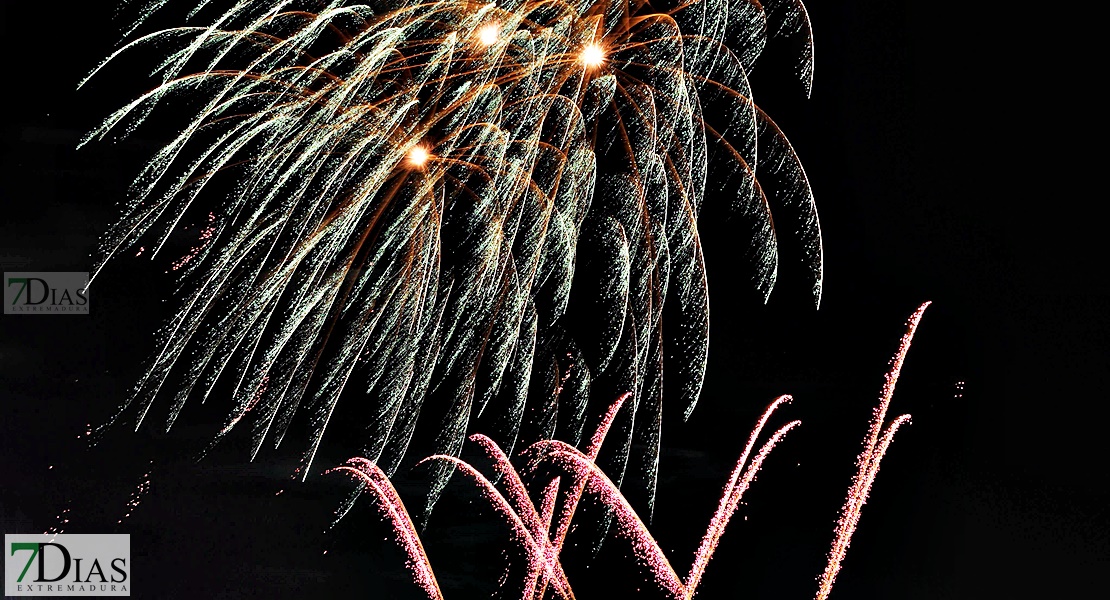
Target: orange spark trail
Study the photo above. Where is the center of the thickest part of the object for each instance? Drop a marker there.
(405, 193)
(875, 447)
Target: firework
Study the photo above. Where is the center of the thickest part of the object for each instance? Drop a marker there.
(455, 212)
(531, 526)
(543, 544)
(875, 446)
(389, 503)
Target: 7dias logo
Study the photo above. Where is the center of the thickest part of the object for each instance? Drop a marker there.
(46, 293)
(67, 565)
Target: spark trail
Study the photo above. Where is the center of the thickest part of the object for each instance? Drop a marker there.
(390, 504)
(875, 446)
(540, 535)
(531, 525)
(453, 212)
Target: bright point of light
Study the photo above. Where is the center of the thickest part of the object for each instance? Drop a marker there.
(488, 34)
(592, 55)
(418, 156)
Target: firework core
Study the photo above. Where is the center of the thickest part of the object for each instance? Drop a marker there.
(592, 56)
(418, 156)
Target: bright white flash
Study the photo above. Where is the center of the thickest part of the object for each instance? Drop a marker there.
(488, 34)
(592, 55)
(418, 156)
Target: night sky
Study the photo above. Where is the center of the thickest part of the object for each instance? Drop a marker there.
(942, 150)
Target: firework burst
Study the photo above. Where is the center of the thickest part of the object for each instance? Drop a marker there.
(458, 213)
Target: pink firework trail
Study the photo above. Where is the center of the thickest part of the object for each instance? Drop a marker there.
(518, 494)
(531, 525)
(592, 450)
(539, 523)
(390, 503)
(730, 498)
(875, 446)
(551, 554)
(541, 531)
(534, 550)
(571, 499)
(570, 502)
(630, 525)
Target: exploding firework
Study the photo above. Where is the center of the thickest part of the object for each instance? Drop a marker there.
(459, 213)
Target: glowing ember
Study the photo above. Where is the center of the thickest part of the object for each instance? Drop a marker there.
(418, 156)
(592, 55)
(488, 34)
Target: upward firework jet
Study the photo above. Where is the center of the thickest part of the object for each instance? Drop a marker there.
(532, 524)
(406, 203)
(876, 444)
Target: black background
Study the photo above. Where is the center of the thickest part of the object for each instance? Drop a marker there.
(952, 153)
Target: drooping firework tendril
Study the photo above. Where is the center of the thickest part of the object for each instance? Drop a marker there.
(460, 213)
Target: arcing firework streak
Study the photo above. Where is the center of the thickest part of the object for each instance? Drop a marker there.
(413, 199)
